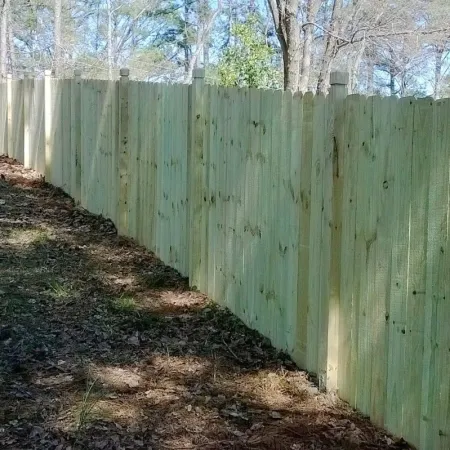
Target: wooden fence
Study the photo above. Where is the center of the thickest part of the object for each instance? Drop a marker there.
(322, 222)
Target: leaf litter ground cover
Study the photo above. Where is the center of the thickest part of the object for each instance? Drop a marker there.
(104, 347)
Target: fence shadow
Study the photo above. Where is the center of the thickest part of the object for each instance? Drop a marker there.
(105, 347)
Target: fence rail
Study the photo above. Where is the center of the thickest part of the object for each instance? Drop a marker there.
(320, 221)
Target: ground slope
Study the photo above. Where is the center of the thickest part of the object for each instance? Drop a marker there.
(103, 347)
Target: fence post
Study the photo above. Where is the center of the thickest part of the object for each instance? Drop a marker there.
(124, 154)
(196, 181)
(338, 92)
(75, 131)
(27, 90)
(48, 124)
(9, 151)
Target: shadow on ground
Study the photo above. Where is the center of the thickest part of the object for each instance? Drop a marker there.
(103, 347)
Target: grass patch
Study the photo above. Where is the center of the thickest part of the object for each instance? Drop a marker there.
(57, 290)
(85, 414)
(34, 236)
(123, 304)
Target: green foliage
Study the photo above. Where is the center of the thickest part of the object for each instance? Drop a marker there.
(123, 304)
(87, 406)
(249, 60)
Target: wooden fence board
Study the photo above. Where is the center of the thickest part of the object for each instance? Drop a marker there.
(434, 429)
(219, 284)
(145, 130)
(226, 198)
(282, 219)
(304, 230)
(57, 105)
(235, 178)
(326, 218)
(65, 145)
(37, 128)
(159, 167)
(365, 237)
(347, 336)
(15, 121)
(185, 190)
(403, 118)
(212, 191)
(197, 182)
(415, 301)
(383, 188)
(315, 321)
(252, 226)
(4, 118)
(272, 296)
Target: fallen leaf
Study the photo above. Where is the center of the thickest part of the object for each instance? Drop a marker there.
(55, 380)
(256, 426)
(37, 432)
(238, 433)
(133, 382)
(134, 340)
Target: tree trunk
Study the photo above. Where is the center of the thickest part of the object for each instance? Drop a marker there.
(187, 55)
(370, 69)
(329, 53)
(203, 32)
(391, 80)
(12, 53)
(206, 54)
(391, 73)
(354, 68)
(325, 69)
(311, 11)
(439, 51)
(192, 64)
(110, 41)
(57, 38)
(4, 38)
(284, 14)
(292, 68)
(306, 60)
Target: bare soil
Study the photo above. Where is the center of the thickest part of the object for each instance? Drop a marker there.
(104, 347)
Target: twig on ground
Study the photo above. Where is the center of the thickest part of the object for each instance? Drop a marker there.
(231, 351)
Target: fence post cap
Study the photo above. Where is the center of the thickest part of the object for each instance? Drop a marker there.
(77, 72)
(124, 72)
(339, 78)
(49, 73)
(9, 76)
(198, 72)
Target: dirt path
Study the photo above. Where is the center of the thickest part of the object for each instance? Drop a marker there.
(103, 347)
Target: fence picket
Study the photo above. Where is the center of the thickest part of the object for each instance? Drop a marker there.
(403, 116)
(384, 179)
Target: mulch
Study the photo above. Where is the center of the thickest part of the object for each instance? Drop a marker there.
(102, 346)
